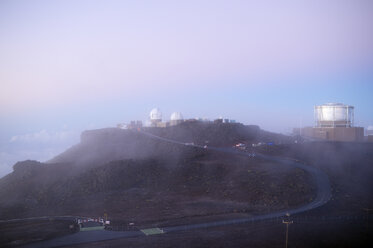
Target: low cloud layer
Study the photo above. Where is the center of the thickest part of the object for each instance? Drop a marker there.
(42, 146)
(42, 137)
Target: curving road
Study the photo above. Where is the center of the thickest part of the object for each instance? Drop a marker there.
(320, 178)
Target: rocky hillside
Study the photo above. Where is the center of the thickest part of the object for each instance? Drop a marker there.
(128, 175)
(349, 166)
(105, 145)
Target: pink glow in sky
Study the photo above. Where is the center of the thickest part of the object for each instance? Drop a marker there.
(54, 52)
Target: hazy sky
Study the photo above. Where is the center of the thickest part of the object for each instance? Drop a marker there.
(66, 66)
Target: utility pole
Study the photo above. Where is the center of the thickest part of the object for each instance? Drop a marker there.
(287, 222)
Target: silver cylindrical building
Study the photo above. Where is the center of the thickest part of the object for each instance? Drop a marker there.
(334, 115)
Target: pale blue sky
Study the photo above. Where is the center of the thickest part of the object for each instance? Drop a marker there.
(67, 66)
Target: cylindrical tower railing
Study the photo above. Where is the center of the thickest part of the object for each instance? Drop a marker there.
(334, 115)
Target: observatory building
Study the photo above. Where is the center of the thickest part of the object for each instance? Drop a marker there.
(155, 117)
(370, 130)
(334, 122)
(176, 118)
(334, 115)
(370, 133)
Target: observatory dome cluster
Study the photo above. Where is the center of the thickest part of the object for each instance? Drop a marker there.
(156, 118)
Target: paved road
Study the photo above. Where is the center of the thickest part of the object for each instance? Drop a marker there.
(320, 178)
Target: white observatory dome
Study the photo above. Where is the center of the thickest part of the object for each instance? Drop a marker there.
(155, 114)
(176, 116)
